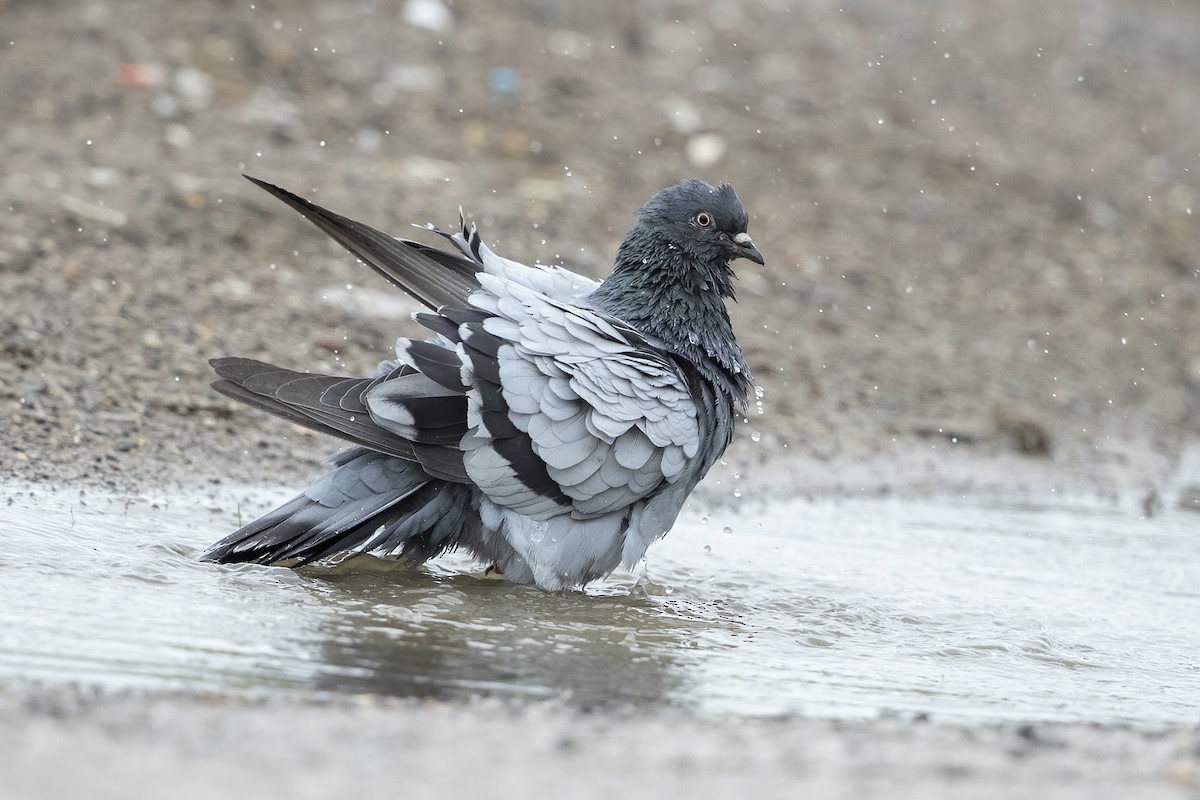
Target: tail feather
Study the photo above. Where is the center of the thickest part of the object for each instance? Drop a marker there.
(432, 276)
(270, 405)
(369, 502)
(325, 403)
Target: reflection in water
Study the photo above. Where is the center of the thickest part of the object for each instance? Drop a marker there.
(414, 635)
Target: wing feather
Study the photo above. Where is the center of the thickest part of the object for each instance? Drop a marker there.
(608, 418)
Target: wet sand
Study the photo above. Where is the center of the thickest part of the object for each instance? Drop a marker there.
(133, 745)
(980, 226)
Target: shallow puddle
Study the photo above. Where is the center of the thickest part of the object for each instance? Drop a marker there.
(840, 609)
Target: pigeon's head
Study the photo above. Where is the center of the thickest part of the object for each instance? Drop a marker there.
(704, 221)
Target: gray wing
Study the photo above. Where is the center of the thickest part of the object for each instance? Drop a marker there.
(567, 407)
(566, 410)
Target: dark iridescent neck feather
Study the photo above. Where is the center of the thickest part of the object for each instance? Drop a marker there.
(678, 301)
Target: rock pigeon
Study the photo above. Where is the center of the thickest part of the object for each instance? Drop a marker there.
(551, 426)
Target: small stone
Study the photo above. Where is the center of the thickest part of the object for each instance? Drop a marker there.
(147, 75)
(505, 84)
(194, 88)
(683, 116)
(415, 77)
(429, 14)
(103, 177)
(186, 184)
(429, 170)
(93, 212)
(571, 44)
(705, 150)
(178, 136)
(165, 106)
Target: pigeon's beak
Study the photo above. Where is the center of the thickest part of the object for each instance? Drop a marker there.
(746, 248)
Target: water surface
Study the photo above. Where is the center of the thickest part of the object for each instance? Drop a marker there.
(841, 609)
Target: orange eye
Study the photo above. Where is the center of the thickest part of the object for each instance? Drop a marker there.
(704, 219)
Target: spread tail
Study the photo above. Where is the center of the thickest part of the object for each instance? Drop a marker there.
(368, 502)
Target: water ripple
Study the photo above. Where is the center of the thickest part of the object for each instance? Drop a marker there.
(834, 609)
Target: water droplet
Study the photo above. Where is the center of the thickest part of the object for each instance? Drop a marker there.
(755, 436)
(728, 531)
(707, 549)
(693, 338)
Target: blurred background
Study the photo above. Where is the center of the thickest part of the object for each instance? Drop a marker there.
(979, 219)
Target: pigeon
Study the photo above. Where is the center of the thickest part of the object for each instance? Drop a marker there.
(552, 426)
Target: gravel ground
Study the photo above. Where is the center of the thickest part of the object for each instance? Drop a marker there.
(979, 220)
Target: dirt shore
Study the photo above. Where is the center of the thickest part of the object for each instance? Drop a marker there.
(980, 224)
(978, 221)
(133, 745)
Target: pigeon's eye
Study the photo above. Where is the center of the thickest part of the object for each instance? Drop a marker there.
(704, 219)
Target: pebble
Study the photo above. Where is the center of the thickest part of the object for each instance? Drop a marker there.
(705, 150)
(429, 170)
(145, 75)
(683, 116)
(93, 212)
(571, 44)
(194, 88)
(415, 77)
(189, 189)
(103, 177)
(429, 14)
(178, 136)
(505, 85)
(165, 105)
